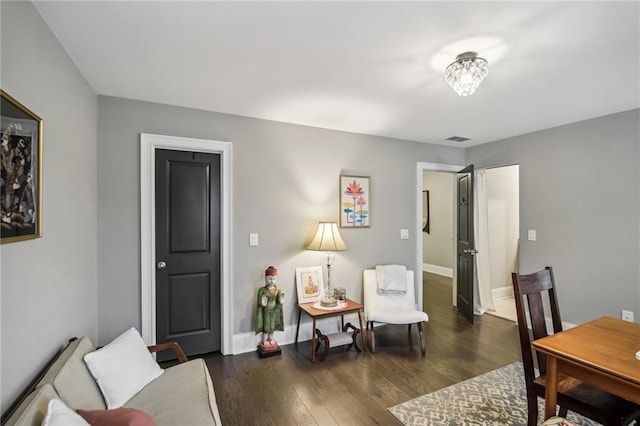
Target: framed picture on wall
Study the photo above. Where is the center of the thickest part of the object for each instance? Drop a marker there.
(309, 284)
(21, 171)
(425, 212)
(355, 202)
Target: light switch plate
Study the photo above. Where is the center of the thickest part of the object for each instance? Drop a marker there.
(531, 235)
(404, 234)
(253, 239)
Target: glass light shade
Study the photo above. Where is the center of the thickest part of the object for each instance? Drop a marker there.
(327, 238)
(466, 73)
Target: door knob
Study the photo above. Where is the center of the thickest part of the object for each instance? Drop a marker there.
(471, 251)
(162, 265)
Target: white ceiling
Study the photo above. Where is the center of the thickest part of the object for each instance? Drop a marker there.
(366, 67)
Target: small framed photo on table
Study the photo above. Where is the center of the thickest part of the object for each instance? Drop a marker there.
(309, 284)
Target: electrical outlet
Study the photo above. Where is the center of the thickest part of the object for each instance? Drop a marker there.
(627, 315)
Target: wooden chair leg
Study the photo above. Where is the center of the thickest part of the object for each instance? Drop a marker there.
(372, 336)
(423, 344)
(532, 411)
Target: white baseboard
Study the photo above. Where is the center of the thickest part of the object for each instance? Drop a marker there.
(248, 342)
(435, 269)
(501, 292)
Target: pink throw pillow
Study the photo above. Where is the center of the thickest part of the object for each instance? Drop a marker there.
(117, 417)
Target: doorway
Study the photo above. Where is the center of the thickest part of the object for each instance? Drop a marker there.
(437, 248)
(503, 223)
(148, 145)
(187, 189)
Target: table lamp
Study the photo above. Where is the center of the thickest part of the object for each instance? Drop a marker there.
(327, 239)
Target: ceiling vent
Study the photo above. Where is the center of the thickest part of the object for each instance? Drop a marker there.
(458, 139)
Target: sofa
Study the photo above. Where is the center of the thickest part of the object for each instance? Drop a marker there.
(182, 394)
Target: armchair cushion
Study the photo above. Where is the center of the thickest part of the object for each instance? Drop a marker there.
(397, 316)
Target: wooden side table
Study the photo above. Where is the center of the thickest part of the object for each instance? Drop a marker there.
(349, 307)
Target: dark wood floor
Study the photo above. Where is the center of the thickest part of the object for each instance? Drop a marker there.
(351, 388)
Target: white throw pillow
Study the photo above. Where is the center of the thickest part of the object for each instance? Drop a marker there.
(58, 414)
(122, 368)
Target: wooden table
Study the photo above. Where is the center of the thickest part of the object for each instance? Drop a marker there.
(600, 352)
(316, 314)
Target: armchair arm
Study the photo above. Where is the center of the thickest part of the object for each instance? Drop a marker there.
(170, 345)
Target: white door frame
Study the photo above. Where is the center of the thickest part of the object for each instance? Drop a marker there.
(148, 144)
(432, 167)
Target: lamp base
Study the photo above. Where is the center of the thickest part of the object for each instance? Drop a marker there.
(329, 302)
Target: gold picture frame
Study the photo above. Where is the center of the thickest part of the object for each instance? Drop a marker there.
(20, 171)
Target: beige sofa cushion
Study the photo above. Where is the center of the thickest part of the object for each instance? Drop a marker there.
(189, 389)
(54, 368)
(33, 409)
(72, 380)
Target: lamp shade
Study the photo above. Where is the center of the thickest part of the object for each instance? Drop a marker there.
(327, 238)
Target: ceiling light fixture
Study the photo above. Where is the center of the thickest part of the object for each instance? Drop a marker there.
(466, 73)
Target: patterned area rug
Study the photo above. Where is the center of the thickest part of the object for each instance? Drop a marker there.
(494, 398)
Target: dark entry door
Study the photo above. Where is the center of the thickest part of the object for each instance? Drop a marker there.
(188, 250)
(466, 244)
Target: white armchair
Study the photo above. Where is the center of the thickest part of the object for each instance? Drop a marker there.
(391, 308)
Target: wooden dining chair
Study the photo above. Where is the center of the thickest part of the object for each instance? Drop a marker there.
(529, 292)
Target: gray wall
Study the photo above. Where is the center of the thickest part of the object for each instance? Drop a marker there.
(285, 180)
(579, 188)
(49, 284)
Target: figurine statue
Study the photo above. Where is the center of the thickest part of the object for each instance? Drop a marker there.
(269, 317)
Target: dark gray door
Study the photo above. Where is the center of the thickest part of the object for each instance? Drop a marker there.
(188, 250)
(465, 245)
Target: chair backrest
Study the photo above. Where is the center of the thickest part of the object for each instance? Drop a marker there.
(373, 300)
(528, 291)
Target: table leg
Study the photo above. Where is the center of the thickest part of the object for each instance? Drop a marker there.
(298, 327)
(313, 341)
(551, 391)
(362, 332)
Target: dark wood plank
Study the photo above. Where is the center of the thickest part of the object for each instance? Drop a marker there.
(350, 388)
